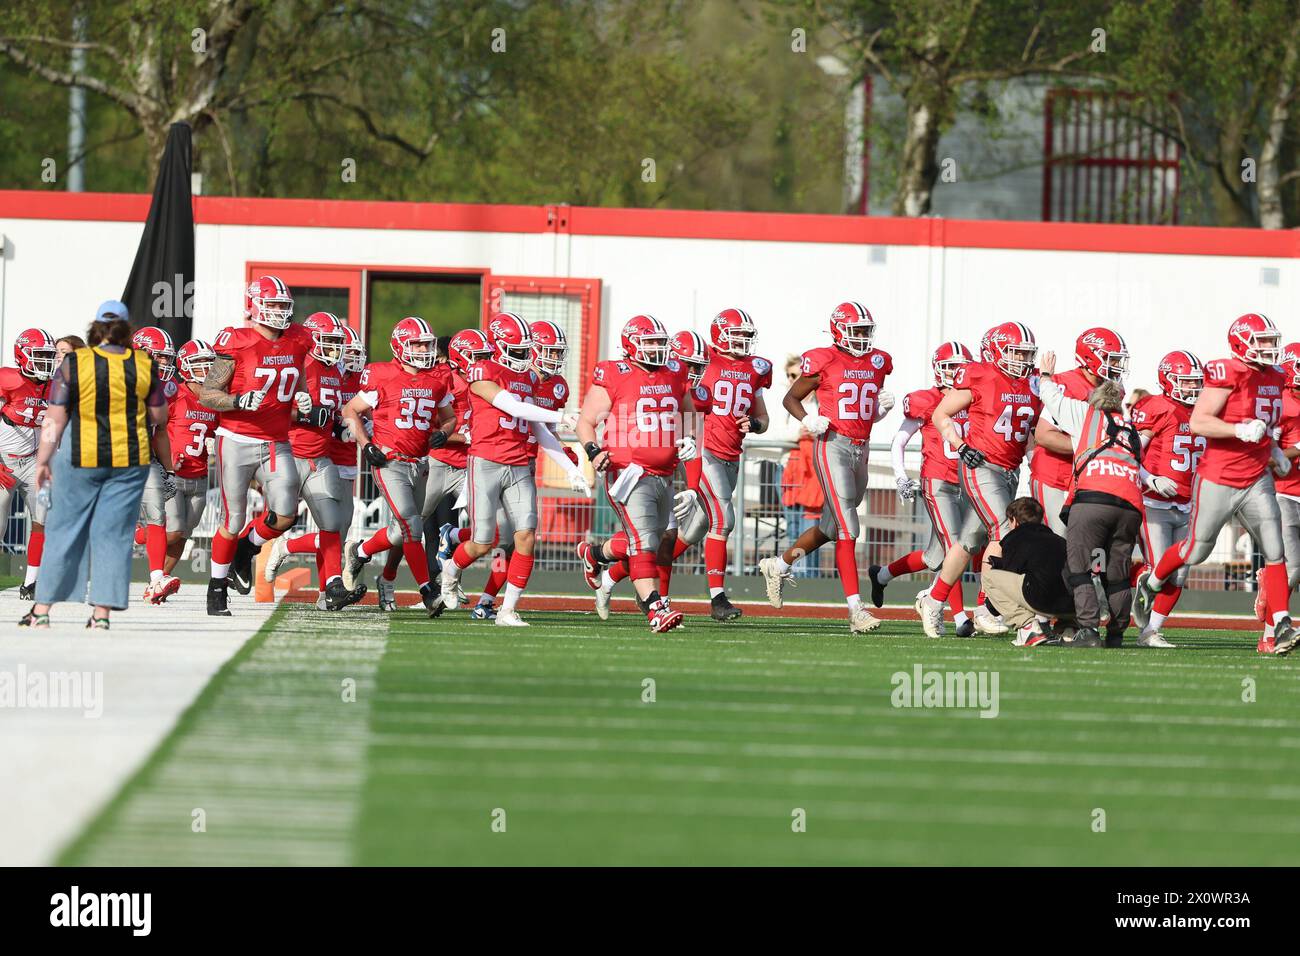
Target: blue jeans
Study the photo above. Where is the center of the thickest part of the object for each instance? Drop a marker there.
(796, 523)
(89, 533)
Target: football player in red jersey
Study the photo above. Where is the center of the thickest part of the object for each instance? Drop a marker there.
(319, 483)
(408, 400)
(1288, 486)
(998, 394)
(1100, 353)
(189, 428)
(254, 385)
(1237, 412)
(949, 511)
(641, 399)
(161, 485)
(1169, 459)
(848, 378)
(501, 487)
(24, 394)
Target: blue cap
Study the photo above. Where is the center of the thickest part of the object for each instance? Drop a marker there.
(112, 309)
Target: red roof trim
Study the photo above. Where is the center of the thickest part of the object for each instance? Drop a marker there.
(667, 224)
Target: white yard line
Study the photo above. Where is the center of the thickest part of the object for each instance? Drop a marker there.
(59, 766)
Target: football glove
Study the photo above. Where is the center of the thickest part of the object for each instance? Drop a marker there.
(573, 455)
(578, 482)
(1281, 463)
(816, 424)
(374, 455)
(250, 401)
(971, 457)
(169, 485)
(303, 401)
(884, 402)
(7, 479)
(569, 422)
(318, 416)
(907, 488)
(1251, 432)
(438, 438)
(686, 449)
(1162, 486)
(684, 504)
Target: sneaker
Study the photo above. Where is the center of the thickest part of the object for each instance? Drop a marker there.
(1153, 639)
(241, 565)
(1285, 637)
(1085, 637)
(456, 598)
(1143, 598)
(34, 620)
(722, 609)
(1266, 645)
(1036, 638)
(509, 618)
(97, 624)
(483, 612)
(432, 600)
(603, 596)
(354, 559)
(337, 595)
(861, 621)
(167, 586)
(387, 593)
(147, 594)
(877, 589)
(930, 612)
(217, 598)
(662, 617)
(775, 580)
(275, 560)
(986, 622)
(589, 565)
(27, 592)
(320, 600)
(1030, 635)
(448, 541)
(966, 628)
(449, 585)
(1261, 605)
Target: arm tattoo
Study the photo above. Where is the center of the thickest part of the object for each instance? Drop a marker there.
(212, 393)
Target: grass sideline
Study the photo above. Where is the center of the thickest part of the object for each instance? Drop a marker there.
(461, 725)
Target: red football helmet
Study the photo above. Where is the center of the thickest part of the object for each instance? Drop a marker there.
(413, 342)
(550, 347)
(354, 350)
(852, 328)
(268, 302)
(1103, 353)
(194, 360)
(1255, 339)
(467, 347)
(512, 341)
(158, 344)
(327, 337)
(1181, 377)
(1011, 347)
(35, 354)
(688, 348)
(732, 332)
(645, 340)
(1291, 363)
(945, 361)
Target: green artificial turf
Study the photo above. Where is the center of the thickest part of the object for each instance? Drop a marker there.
(459, 727)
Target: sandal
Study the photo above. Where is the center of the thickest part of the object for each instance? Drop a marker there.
(96, 624)
(32, 619)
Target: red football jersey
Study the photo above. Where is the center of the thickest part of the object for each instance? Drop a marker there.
(270, 366)
(189, 425)
(1290, 438)
(551, 392)
(493, 434)
(1173, 451)
(456, 454)
(1053, 470)
(324, 383)
(847, 386)
(342, 451)
(1003, 412)
(727, 391)
(404, 405)
(938, 458)
(644, 420)
(25, 401)
(1253, 393)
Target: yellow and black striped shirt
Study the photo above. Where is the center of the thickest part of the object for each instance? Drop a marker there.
(108, 407)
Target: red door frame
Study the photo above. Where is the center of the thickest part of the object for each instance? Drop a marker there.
(320, 275)
(587, 290)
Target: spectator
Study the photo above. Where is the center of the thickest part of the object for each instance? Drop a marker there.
(801, 493)
(96, 479)
(1025, 580)
(66, 346)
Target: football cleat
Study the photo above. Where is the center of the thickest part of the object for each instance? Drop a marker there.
(723, 610)
(431, 600)
(320, 600)
(241, 566)
(166, 586)
(965, 629)
(775, 580)
(449, 585)
(1266, 645)
(603, 596)
(1261, 603)
(483, 612)
(1143, 598)
(353, 561)
(861, 621)
(217, 598)
(589, 565)
(931, 613)
(1285, 637)
(509, 618)
(986, 622)
(147, 594)
(337, 596)
(387, 593)
(448, 541)
(877, 589)
(662, 617)
(27, 592)
(1153, 639)
(275, 560)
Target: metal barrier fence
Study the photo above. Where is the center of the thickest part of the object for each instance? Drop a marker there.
(765, 524)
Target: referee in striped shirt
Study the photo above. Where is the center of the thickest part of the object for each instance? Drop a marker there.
(93, 460)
